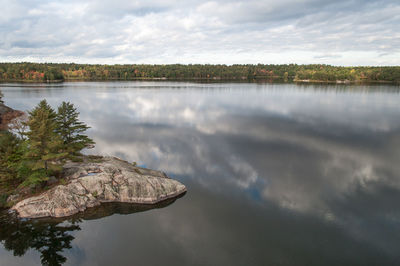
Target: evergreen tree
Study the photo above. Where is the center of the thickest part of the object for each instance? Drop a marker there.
(71, 129)
(42, 158)
(11, 152)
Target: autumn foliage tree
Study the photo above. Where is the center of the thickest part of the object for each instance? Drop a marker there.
(49, 72)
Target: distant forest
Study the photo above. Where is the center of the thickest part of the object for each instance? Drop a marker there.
(49, 72)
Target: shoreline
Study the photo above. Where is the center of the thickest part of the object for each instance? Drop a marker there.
(214, 80)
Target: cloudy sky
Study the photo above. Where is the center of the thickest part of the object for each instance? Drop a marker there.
(341, 32)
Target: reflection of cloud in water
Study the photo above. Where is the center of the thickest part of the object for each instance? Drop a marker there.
(193, 232)
(358, 110)
(309, 149)
(325, 155)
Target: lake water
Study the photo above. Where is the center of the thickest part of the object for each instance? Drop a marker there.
(277, 174)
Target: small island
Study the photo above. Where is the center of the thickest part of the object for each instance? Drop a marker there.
(44, 174)
(96, 180)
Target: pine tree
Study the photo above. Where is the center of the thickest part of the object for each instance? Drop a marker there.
(42, 158)
(11, 152)
(71, 129)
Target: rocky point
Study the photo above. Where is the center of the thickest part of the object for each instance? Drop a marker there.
(90, 183)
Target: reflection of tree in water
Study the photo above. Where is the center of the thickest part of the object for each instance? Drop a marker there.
(51, 237)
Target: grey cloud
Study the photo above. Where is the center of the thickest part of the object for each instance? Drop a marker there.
(197, 31)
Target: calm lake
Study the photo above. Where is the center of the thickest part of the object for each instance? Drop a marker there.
(277, 174)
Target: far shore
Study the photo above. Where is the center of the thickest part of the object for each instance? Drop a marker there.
(209, 80)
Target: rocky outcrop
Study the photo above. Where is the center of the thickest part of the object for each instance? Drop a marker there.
(89, 184)
(4, 109)
(7, 114)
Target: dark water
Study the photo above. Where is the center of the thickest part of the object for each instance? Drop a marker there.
(276, 175)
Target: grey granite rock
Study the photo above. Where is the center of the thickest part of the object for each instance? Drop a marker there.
(4, 109)
(91, 183)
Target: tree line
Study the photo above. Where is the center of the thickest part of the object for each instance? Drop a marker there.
(35, 146)
(42, 72)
